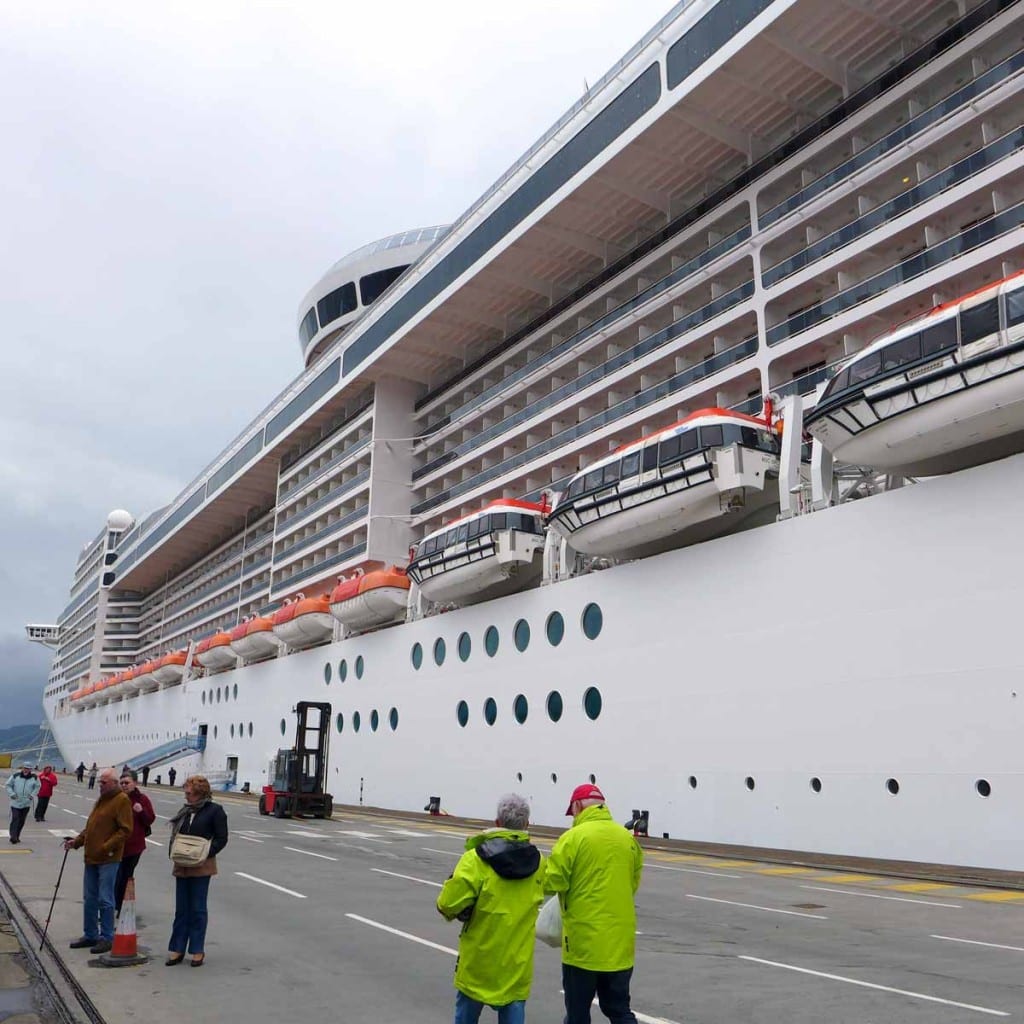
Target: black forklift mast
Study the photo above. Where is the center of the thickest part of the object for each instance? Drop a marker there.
(299, 774)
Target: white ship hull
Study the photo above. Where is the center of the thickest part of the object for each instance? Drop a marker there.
(726, 662)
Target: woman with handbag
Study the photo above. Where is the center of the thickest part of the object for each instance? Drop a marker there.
(199, 831)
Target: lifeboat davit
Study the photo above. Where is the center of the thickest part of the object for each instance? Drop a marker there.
(490, 553)
(937, 395)
(364, 600)
(254, 639)
(144, 679)
(304, 621)
(170, 668)
(712, 473)
(215, 652)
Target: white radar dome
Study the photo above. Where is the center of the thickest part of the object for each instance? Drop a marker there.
(119, 520)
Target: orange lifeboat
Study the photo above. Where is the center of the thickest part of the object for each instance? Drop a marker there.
(304, 621)
(215, 653)
(87, 692)
(364, 600)
(144, 678)
(129, 680)
(170, 668)
(253, 638)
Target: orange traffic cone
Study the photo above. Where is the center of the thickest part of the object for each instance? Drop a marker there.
(125, 950)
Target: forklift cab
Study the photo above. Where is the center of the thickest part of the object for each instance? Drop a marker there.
(297, 776)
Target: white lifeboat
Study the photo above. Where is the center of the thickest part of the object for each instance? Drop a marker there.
(304, 621)
(495, 551)
(364, 600)
(937, 395)
(712, 473)
(214, 652)
(254, 638)
(170, 668)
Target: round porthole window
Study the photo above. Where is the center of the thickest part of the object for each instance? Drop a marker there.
(520, 708)
(234, 691)
(439, 651)
(592, 702)
(693, 782)
(462, 713)
(490, 711)
(554, 705)
(592, 621)
(250, 728)
(339, 721)
(893, 786)
(204, 697)
(215, 732)
(416, 655)
(327, 673)
(284, 726)
(465, 646)
(555, 628)
(232, 730)
(343, 667)
(816, 784)
(359, 667)
(750, 783)
(521, 635)
(218, 694)
(374, 720)
(983, 787)
(491, 640)
(393, 719)
(356, 721)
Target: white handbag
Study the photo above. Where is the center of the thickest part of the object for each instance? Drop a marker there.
(549, 923)
(189, 851)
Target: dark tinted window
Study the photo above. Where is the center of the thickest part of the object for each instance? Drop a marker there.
(309, 395)
(867, 368)
(650, 457)
(498, 521)
(631, 464)
(668, 450)
(1015, 307)
(372, 285)
(593, 479)
(840, 381)
(979, 321)
(899, 353)
(463, 533)
(688, 442)
(477, 527)
(938, 338)
(575, 487)
(710, 436)
(337, 303)
(309, 326)
(709, 35)
(611, 473)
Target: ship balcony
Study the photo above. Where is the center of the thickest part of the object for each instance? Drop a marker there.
(46, 635)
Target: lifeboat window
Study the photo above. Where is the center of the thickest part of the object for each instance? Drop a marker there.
(462, 713)
(711, 437)
(593, 479)
(838, 383)
(688, 442)
(490, 711)
(938, 338)
(668, 450)
(631, 465)
(906, 350)
(477, 527)
(866, 368)
(1015, 308)
(650, 457)
(577, 486)
(498, 520)
(463, 534)
(491, 639)
(979, 322)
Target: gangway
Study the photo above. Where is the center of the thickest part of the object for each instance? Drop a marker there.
(167, 752)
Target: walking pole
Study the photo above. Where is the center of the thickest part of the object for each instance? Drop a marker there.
(42, 941)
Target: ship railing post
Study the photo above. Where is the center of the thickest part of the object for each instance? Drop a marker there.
(822, 477)
(789, 463)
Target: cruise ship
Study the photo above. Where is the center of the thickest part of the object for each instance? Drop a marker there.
(621, 477)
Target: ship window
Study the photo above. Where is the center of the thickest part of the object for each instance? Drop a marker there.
(417, 655)
(327, 673)
(343, 670)
(631, 465)
(979, 321)
(374, 720)
(359, 667)
(372, 286)
(498, 520)
(393, 719)
(309, 326)
(232, 730)
(592, 702)
(593, 479)
(250, 728)
(983, 787)
(906, 350)
(711, 437)
(356, 721)
(465, 646)
(520, 708)
(865, 369)
(750, 782)
(477, 527)
(1015, 307)
(490, 711)
(592, 621)
(462, 713)
(521, 635)
(893, 786)
(463, 534)
(491, 640)
(668, 450)
(439, 651)
(337, 303)
(650, 457)
(203, 697)
(938, 338)
(688, 442)
(576, 487)
(284, 726)
(555, 628)
(339, 722)
(816, 784)
(234, 691)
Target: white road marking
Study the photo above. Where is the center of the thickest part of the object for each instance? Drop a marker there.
(309, 853)
(692, 871)
(974, 942)
(363, 835)
(153, 842)
(75, 813)
(248, 839)
(404, 935)
(754, 906)
(62, 833)
(271, 885)
(880, 988)
(879, 896)
(405, 832)
(411, 878)
(447, 853)
(304, 832)
(636, 1013)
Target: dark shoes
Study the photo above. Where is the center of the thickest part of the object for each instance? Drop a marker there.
(82, 943)
(197, 961)
(174, 960)
(101, 947)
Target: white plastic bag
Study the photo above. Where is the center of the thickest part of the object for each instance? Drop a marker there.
(549, 923)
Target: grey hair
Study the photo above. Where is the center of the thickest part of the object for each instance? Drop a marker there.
(513, 811)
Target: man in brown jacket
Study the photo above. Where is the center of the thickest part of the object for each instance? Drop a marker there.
(103, 837)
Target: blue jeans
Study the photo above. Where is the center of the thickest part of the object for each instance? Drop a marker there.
(467, 1011)
(188, 933)
(98, 894)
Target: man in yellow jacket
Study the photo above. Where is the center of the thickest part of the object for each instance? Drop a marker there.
(595, 868)
(496, 890)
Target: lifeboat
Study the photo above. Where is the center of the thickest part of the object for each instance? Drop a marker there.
(712, 473)
(490, 553)
(144, 678)
(304, 621)
(87, 692)
(129, 681)
(215, 653)
(364, 600)
(254, 639)
(170, 668)
(937, 395)
(113, 686)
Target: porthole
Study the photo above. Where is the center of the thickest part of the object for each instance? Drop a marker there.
(892, 785)
(521, 635)
(750, 783)
(554, 777)
(983, 788)
(491, 640)
(439, 651)
(218, 694)
(593, 779)
(374, 720)
(284, 726)
(234, 691)
(465, 646)
(816, 784)
(490, 710)
(520, 708)
(204, 697)
(327, 673)
(250, 728)
(592, 702)
(339, 721)
(462, 713)
(555, 628)
(592, 621)
(356, 721)
(393, 719)
(554, 705)
(215, 732)
(693, 782)
(241, 729)
(359, 667)
(232, 730)
(417, 655)
(519, 776)
(343, 669)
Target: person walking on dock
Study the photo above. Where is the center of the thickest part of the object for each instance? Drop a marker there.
(143, 816)
(145, 774)
(595, 868)
(80, 771)
(47, 784)
(496, 890)
(22, 786)
(109, 826)
(92, 775)
(172, 774)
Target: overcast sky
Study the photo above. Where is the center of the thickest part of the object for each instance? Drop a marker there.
(175, 177)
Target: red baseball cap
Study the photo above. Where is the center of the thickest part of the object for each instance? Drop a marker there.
(588, 791)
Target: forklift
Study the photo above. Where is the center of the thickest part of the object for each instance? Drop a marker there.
(298, 775)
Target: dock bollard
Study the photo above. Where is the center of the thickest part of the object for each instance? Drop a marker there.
(125, 949)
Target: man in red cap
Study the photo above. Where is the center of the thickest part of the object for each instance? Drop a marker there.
(595, 868)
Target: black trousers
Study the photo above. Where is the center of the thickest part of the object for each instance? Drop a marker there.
(125, 871)
(42, 802)
(18, 816)
(610, 987)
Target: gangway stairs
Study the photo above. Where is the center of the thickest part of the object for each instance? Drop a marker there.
(167, 752)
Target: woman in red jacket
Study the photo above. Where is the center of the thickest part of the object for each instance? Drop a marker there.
(143, 816)
(47, 780)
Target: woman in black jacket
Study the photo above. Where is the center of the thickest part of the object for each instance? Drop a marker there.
(199, 817)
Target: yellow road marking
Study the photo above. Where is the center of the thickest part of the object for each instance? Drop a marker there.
(786, 871)
(848, 878)
(997, 897)
(919, 887)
